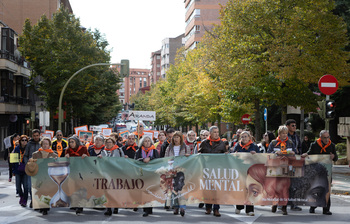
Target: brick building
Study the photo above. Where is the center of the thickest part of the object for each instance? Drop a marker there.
(137, 79)
(15, 12)
(155, 66)
(168, 52)
(200, 16)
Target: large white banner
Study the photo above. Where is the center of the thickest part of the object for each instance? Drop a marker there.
(142, 115)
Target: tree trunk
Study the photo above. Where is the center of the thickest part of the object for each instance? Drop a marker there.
(257, 119)
(283, 115)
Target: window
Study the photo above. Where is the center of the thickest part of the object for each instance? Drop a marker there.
(158, 73)
(7, 43)
(158, 56)
(158, 65)
(144, 82)
(6, 83)
(140, 82)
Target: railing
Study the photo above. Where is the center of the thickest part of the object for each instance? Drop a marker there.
(18, 60)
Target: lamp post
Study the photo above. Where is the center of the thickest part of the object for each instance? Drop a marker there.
(124, 63)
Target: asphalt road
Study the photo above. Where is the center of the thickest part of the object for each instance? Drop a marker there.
(12, 212)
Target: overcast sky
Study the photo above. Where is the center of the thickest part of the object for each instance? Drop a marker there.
(133, 28)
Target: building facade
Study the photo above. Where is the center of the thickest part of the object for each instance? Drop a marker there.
(155, 66)
(15, 12)
(137, 79)
(15, 100)
(168, 52)
(200, 16)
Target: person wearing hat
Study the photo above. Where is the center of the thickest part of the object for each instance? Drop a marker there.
(44, 152)
(75, 149)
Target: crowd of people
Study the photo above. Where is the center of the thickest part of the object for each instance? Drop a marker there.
(169, 143)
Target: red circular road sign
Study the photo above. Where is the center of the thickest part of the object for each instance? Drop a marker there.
(245, 119)
(328, 84)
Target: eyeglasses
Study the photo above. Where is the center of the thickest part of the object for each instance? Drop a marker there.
(24, 140)
(141, 126)
(293, 125)
(109, 142)
(59, 135)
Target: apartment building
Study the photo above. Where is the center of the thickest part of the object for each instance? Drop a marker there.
(168, 52)
(137, 80)
(14, 98)
(155, 66)
(15, 12)
(200, 16)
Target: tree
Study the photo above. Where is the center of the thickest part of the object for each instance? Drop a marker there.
(58, 48)
(272, 50)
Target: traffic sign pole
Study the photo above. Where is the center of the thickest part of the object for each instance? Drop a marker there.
(328, 85)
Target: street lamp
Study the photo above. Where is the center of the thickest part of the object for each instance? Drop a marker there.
(124, 70)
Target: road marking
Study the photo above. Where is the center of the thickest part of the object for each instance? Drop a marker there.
(245, 218)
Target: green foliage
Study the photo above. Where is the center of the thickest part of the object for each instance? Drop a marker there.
(341, 148)
(57, 49)
(265, 52)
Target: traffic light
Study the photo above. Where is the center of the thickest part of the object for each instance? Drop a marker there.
(321, 110)
(124, 68)
(330, 109)
(27, 121)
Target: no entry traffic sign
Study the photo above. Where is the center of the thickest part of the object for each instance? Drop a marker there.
(328, 84)
(245, 118)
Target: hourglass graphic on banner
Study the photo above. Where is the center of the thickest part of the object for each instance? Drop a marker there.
(58, 172)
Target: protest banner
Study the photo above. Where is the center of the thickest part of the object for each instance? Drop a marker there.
(124, 134)
(85, 136)
(7, 142)
(80, 128)
(142, 115)
(106, 132)
(148, 133)
(52, 133)
(238, 178)
(46, 135)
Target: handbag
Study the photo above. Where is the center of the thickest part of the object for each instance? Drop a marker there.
(21, 167)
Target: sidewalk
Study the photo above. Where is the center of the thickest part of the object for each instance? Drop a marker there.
(340, 184)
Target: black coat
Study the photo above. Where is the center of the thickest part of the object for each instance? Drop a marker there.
(214, 147)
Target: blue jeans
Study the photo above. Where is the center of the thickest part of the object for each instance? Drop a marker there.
(29, 186)
(22, 186)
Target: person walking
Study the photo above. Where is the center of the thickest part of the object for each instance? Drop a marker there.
(177, 147)
(146, 153)
(246, 145)
(213, 144)
(32, 146)
(19, 171)
(59, 144)
(323, 146)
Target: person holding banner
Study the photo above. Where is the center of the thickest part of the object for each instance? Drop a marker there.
(146, 153)
(75, 149)
(44, 152)
(9, 150)
(130, 147)
(32, 146)
(190, 140)
(323, 146)
(98, 146)
(177, 147)
(59, 144)
(282, 146)
(18, 170)
(111, 150)
(245, 144)
(213, 144)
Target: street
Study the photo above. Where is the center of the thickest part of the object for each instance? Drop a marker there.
(12, 212)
